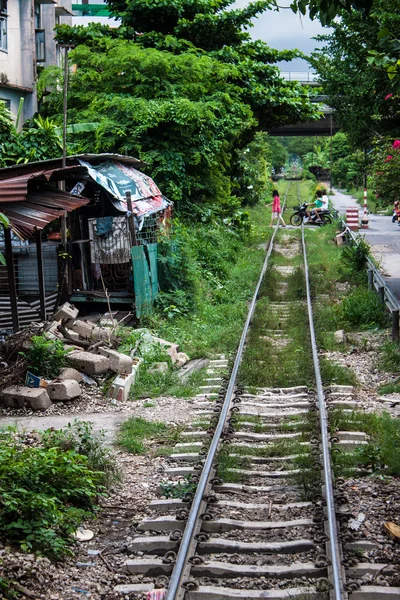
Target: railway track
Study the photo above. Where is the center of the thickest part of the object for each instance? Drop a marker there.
(273, 526)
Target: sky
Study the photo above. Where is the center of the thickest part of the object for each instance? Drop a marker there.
(284, 30)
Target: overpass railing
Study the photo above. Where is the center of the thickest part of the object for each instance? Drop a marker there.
(377, 282)
(301, 76)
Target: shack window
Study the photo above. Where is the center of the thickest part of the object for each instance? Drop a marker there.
(3, 26)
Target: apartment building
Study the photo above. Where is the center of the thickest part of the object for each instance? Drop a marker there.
(92, 11)
(26, 44)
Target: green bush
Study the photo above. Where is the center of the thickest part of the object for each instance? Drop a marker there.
(80, 437)
(46, 357)
(353, 261)
(45, 494)
(363, 309)
(390, 356)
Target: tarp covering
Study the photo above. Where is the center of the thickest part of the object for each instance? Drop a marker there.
(117, 178)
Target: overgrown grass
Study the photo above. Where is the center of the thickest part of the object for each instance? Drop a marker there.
(177, 489)
(49, 484)
(138, 436)
(226, 464)
(389, 388)
(381, 454)
(390, 356)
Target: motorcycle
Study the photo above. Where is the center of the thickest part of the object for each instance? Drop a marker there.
(300, 215)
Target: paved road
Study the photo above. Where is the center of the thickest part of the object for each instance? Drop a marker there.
(384, 237)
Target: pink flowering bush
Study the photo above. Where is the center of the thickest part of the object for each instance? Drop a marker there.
(386, 172)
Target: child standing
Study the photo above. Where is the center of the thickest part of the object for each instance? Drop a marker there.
(276, 208)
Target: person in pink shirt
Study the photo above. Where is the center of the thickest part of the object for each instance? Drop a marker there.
(276, 208)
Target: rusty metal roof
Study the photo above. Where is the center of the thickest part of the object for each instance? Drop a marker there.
(39, 209)
(56, 163)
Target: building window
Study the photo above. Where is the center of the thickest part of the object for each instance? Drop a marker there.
(6, 103)
(38, 19)
(3, 25)
(40, 45)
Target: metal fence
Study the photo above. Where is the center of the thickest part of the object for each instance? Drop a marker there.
(377, 282)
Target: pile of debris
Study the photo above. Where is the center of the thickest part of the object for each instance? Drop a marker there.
(91, 359)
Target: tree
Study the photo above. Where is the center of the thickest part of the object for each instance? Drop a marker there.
(187, 110)
(38, 140)
(355, 90)
(327, 11)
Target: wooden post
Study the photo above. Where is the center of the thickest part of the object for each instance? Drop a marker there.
(381, 294)
(11, 279)
(395, 325)
(370, 279)
(39, 258)
(131, 218)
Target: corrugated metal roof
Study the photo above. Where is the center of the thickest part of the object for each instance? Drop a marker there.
(15, 189)
(39, 209)
(56, 163)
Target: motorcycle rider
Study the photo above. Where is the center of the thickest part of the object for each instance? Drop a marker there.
(321, 204)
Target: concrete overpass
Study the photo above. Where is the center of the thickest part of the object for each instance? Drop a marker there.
(324, 126)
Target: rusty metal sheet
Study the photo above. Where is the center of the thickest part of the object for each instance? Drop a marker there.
(56, 163)
(39, 209)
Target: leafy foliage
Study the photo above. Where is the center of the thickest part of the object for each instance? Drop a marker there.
(45, 494)
(38, 140)
(327, 11)
(46, 357)
(386, 171)
(355, 90)
(362, 309)
(187, 96)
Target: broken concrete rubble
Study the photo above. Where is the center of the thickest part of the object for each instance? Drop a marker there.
(64, 390)
(181, 359)
(119, 363)
(122, 384)
(91, 364)
(66, 312)
(192, 367)
(18, 396)
(158, 367)
(70, 373)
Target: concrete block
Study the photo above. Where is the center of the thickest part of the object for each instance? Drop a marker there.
(70, 373)
(119, 363)
(160, 367)
(169, 347)
(83, 329)
(91, 364)
(122, 384)
(17, 396)
(64, 390)
(181, 359)
(340, 336)
(102, 333)
(52, 332)
(66, 312)
(73, 335)
(192, 367)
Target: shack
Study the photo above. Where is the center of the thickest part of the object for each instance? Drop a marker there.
(108, 252)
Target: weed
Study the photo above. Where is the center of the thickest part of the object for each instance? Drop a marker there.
(362, 309)
(389, 388)
(7, 588)
(382, 453)
(353, 261)
(135, 432)
(148, 404)
(45, 493)
(46, 357)
(177, 489)
(226, 464)
(332, 373)
(390, 356)
(80, 437)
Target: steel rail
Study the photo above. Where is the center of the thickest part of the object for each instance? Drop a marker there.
(181, 559)
(338, 585)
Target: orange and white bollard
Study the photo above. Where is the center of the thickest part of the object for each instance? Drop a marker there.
(365, 220)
